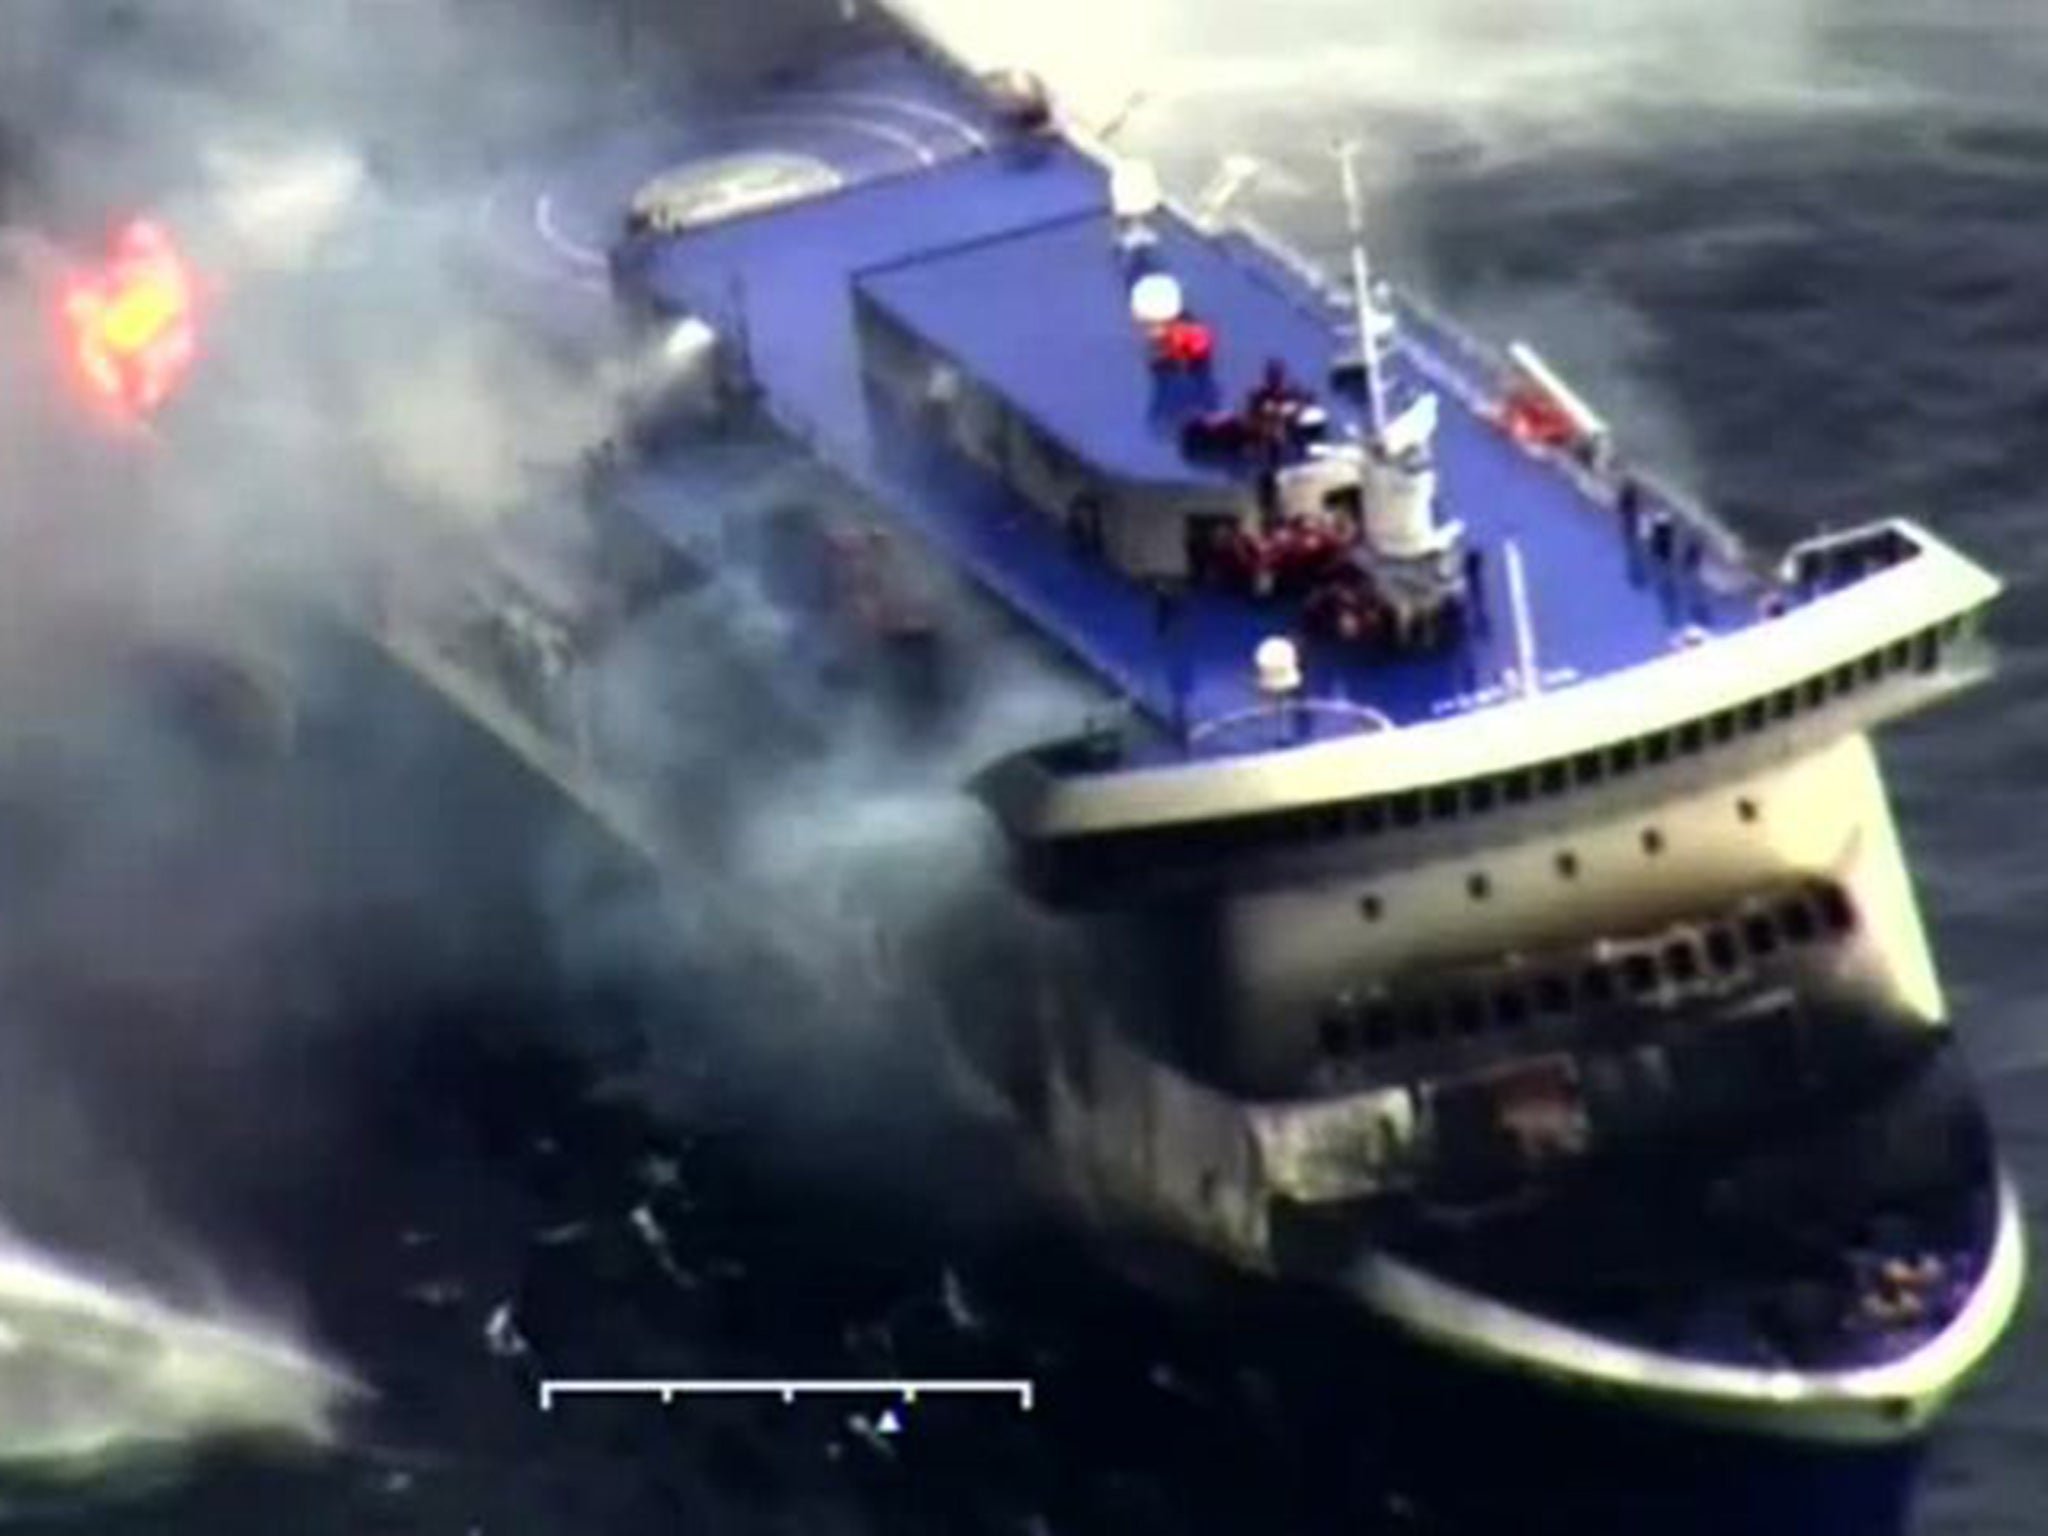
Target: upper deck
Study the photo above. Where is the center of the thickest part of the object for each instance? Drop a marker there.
(1001, 259)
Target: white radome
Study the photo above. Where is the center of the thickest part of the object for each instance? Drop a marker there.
(1156, 299)
(1278, 663)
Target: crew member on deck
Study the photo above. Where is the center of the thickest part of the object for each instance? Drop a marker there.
(1270, 409)
(1184, 342)
(1475, 584)
(1628, 502)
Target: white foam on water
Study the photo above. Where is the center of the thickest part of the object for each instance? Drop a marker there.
(93, 1372)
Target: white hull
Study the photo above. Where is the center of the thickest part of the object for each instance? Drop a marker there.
(1878, 1404)
(1822, 814)
(1134, 1140)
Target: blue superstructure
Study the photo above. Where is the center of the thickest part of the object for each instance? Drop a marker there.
(1003, 260)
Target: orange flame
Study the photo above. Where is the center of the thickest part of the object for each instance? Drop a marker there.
(131, 324)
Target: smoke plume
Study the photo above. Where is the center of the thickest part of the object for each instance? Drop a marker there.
(174, 1024)
(184, 949)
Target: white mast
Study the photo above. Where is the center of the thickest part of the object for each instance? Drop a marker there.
(1361, 291)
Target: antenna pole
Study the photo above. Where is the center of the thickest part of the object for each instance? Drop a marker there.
(1361, 291)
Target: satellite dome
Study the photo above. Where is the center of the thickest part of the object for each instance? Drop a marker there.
(1156, 299)
(1278, 663)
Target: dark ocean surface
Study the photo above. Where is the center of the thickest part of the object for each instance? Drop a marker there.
(467, 1152)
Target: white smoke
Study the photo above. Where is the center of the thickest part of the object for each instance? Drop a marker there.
(1444, 96)
(326, 160)
(1521, 76)
(362, 390)
(820, 847)
(321, 163)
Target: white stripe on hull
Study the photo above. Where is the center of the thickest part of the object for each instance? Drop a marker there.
(1688, 685)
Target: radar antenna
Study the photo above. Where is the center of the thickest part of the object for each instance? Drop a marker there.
(1361, 290)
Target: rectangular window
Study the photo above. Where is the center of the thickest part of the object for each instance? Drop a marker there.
(1722, 952)
(1421, 1020)
(1468, 1016)
(1639, 974)
(1378, 1028)
(1598, 983)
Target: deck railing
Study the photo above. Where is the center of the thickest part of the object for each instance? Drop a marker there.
(1480, 375)
(1289, 722)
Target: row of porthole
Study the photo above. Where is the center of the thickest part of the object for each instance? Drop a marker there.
(1097, 856)
(1479, 884)
(1921, 652)
(1687, 959)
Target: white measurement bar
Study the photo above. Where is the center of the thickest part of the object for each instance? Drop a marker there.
(668, 1391)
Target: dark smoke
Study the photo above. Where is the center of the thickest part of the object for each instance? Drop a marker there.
(232, 880)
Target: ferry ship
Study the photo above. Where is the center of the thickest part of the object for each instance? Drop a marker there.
(1478, 898)
(1488, 901)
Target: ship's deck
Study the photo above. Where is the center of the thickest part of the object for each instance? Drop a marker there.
(1004, 261)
